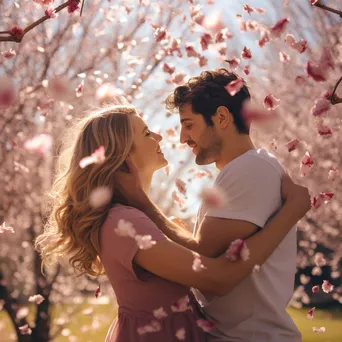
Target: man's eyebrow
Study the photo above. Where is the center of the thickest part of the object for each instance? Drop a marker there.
(183, 120)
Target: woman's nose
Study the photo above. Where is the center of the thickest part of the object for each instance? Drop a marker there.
(158, 137)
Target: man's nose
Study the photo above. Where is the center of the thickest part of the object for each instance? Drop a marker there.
(183, 137)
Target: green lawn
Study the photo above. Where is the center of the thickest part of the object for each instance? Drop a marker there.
(92, 327)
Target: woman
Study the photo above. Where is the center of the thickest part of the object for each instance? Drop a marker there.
(150, 274)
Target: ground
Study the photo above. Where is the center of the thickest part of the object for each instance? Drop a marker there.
(331, 320)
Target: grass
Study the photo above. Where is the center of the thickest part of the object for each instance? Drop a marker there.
(92, 327)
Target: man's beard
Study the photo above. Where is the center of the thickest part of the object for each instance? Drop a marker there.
(208, 155)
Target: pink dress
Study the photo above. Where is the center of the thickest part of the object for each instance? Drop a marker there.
(140, 292)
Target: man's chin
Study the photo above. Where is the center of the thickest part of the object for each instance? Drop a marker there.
(203, 161)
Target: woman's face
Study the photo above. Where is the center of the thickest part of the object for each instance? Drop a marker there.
(146, 153)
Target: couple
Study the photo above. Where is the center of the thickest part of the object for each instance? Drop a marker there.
(152, 285)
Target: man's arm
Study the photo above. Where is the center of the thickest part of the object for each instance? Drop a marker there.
(214, 234)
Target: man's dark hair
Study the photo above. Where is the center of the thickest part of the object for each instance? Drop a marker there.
(206, 93)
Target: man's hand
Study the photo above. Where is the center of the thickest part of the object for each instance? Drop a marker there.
(129, 185)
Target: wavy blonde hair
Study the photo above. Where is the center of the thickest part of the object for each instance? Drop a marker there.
(73, 225)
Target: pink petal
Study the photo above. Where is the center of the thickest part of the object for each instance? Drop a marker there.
(8, 92)
(97, 292)
(233, 63)
(334, 173)
(246, 53)
(213, 197)
(144, 241)
(315, 289)
(9, 54)
(310, 313)
(181, 304)
(270, 102)
(205, 325)
(321, 106)
(125, 228)
(234, 86)
(180, 334)
(292, 144)
(279, 28)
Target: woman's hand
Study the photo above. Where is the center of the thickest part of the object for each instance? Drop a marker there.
(296, 196)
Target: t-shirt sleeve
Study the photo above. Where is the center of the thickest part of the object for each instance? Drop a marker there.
(124, 248)
(253, 191)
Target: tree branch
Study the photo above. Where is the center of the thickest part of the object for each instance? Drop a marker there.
(334, 99)
(329, 9)
(18, 39)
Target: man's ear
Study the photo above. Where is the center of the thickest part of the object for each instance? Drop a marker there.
(223, 116)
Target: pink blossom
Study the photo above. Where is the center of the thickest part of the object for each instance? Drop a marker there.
(9, 54)
(300, 80)
(246, 70)
(168, 69)
(323, 197)
(8, 92)
(154, 326)
(159, 313)
(59, 88)
(316, 71)
(264, 37)
(100, 196)
(73, 6)
(50, 12)
(197, 265)
(284, 57)
(318, 330)
(206, 39)
(248, 9)
(97, 292)
(181, 304)
(180, 334)
(323, 130)
(16, 31)
(98, 157)
(4, 228)
(144, 241)
(38, 299)
(178, 78)
(321, 106)
(22, 313)
(177, 199)
(246, 53)
(306, 164)
(125, 228)
(190, 51)
(270, 102)
(233, 63)
(319, 259)
(334, 173)
(181, 186)
(292, 144)
(79, 89)
(313, 2)
(203, 61)
(253, 112)
(25, 330)
(260, 11)
(238, 250)
(300, 45)
(205, 324)
(44, 2)
(310, 313)
(252, 25)
(315, 289)
(213, 22)
(213, 197)
(273, 146)
(40, 144)
(234, 87)
(160, 33)
(279, 28)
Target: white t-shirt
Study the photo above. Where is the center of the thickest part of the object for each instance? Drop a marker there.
(254, 311)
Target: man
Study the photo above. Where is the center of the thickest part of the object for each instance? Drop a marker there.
(212, 125)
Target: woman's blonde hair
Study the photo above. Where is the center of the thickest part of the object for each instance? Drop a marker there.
(73, 225)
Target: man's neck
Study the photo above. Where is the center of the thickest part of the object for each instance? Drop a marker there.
(234, 150)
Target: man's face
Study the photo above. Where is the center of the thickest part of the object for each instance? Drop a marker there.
(206, 144)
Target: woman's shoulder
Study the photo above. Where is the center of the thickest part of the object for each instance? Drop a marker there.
(124, 211)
